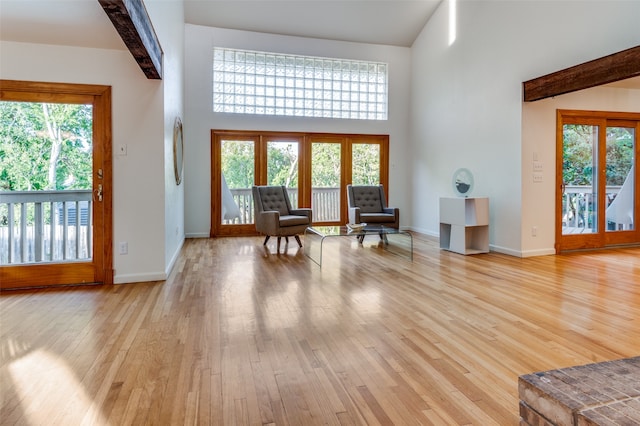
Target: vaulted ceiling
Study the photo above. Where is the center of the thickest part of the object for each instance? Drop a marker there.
(84, 23)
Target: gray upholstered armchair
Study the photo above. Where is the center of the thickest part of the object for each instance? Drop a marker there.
(274, 215)
(368, 204)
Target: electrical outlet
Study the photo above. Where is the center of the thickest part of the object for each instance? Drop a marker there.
(123, 247)
(537, 177)
(537, 166)
(534, 231)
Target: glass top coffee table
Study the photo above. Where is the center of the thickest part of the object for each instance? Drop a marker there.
(394, 240)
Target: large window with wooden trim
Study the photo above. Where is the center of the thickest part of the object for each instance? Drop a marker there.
(314, 167)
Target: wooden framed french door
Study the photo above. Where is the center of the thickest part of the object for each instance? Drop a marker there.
(327, 174)
(314, 167)
(597, 198)
(60, 236)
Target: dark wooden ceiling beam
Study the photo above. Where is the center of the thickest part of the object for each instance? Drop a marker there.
(131, 20)
(615, 67)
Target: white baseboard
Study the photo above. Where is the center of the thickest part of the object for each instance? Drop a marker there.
(520, 253)
(423, 231)
(538, 252)
(139, 278)
(197, 235)
(504, 250)
(495, 248)
(174, 258)
(151, 276)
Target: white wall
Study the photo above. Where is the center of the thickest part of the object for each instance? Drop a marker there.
(466, 107)
(200, 119)
(168, 22)
(139, 120)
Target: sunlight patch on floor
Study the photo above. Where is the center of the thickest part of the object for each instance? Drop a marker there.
(42, 380)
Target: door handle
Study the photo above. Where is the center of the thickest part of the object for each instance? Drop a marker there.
(98, 192)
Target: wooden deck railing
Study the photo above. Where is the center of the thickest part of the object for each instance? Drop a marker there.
(579, 207)
(325, 203)
(45, 226)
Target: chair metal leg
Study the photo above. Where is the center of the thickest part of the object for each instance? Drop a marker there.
(265, 240)
(278, 247)
(383, 237)
(298, 240)
(286, 239)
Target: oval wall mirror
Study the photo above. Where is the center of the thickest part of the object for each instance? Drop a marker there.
(463, 182)
(178, 147)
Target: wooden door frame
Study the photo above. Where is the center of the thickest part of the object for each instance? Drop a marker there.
(345, 168)
(306, 139)
(217, 136)
(383, 142)
(100, 270)
(624, 237)
(600, 239)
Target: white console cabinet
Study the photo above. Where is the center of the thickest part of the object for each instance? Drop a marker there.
(464, 225)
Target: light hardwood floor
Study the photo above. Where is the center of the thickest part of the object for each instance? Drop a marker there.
(240, 335)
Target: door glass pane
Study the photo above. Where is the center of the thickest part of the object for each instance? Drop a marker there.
(325, 181)
(365, 164)
(282, 167)
(620, 178)
(46, 183)
(580, 198)
(238, 173)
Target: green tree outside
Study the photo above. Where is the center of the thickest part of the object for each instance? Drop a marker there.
(578, 149)
(282, 164)
(45, 146)
(620, 154)
(366, 164)
(326, 165)
(238, 164)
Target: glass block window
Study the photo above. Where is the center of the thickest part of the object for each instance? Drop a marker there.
(248, 82)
